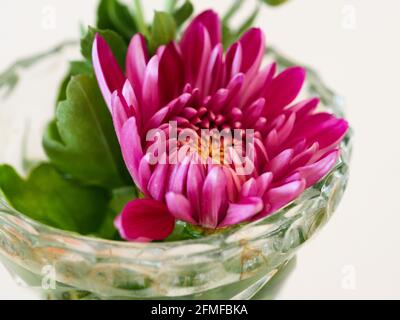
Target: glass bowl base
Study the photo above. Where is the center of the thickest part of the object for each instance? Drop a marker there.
(262, 286)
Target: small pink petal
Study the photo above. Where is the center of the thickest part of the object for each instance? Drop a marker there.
(145, 220)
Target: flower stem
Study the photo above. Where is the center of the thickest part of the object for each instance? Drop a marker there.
(141, 23)
(232, 10)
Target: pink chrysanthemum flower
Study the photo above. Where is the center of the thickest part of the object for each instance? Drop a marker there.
(194, 83)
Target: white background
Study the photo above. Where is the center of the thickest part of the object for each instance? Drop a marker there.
(355, 46)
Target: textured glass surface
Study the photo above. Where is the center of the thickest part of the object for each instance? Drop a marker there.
(232, 265)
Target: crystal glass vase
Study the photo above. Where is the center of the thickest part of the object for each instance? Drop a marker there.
(231, 265)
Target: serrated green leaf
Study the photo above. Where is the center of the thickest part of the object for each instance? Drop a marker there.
(81, 141)
(75, 68)
(114, 40)
(115, 16)
(48, 197)
(183, 13)
(163, 30)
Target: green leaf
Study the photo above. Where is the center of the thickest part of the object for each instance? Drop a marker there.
(163, 31)
(228, 36)
(114, 40)
(274, 2)
(183, 13)
(170, 5)
(81, 141)
(184, 231)
(75, 68)
(48, 197)
(120, 197)
(113, 15)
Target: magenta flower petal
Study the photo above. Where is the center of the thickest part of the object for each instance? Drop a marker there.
(158, 182)
(150, 92)
(144, 175)
(196, 50)
(280, 163)
(305, 108)
(108, 73)
(131, 148)
(257, 85)
(210, 20)
(249, 188)
(233, 61)
(178, 177)
(305, 156)
(120, 112)
(194, 187)
(145, 220)
(131, 99)
(278, 197)
(171, 74)
(254, 111)
(180, 207)
(263, 183)
(314, 172)
(332, 136)
(244, 210)
(213, 198)
(214, 72)
(284, 89)
(136, 62)
(253, 47)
